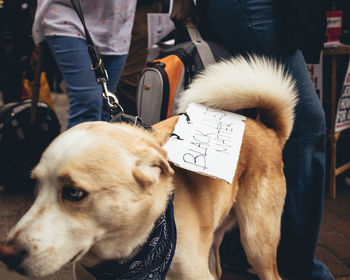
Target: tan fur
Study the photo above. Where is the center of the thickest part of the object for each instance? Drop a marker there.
(128, 179)
(203, 206)
(242, 83)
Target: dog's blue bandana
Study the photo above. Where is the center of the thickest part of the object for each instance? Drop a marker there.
(152, 262)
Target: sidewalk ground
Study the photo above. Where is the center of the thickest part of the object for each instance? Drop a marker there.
(334, 242)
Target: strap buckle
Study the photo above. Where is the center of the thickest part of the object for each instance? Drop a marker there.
(97, 66)
(102, 78)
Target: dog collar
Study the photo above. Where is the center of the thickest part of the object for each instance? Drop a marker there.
(134, 120)
(152, 262)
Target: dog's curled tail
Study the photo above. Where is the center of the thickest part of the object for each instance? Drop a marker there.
(244, 83)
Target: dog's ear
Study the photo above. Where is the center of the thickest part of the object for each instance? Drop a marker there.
(163, 129)
(151, 166)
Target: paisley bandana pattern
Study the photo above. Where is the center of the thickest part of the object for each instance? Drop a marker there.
(152, 261)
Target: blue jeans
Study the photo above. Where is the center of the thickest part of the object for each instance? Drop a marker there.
(252, 26)
(85, 95)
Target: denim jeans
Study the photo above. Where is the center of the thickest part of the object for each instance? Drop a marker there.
(252, 26)
(85, 95)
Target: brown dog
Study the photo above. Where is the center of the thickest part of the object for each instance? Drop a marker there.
(103, 186)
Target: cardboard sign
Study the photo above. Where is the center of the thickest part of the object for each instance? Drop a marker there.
(207, 142)
(342, 120)
(159, 25)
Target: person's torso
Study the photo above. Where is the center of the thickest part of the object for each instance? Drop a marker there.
(108, 21)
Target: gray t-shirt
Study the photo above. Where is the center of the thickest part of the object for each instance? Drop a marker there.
(108, 21)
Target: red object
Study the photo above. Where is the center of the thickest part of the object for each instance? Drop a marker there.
(334, 25)
(24, 93)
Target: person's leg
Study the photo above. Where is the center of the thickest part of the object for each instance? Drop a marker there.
(85, 95)
(304, 159)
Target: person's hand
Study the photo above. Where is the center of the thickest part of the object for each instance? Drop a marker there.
(183, 10)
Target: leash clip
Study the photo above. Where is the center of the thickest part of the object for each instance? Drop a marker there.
(111, 99)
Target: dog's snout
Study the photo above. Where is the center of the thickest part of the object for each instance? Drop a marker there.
(11, 254)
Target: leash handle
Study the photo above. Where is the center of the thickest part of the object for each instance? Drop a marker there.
(97, 64)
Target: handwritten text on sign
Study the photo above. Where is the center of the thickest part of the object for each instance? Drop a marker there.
(208, 143)
(342, 120)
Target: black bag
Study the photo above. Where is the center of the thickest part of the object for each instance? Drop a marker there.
(22, 143)
(163, 80)
(26, 129)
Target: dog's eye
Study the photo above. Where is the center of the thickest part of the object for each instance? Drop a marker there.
(73, 194)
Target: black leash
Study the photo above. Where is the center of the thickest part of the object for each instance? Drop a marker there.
(97, 65)
(116, 110)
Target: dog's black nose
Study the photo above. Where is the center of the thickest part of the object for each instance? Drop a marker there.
(11, 254)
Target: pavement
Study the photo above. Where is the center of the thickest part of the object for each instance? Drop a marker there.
(333, 247)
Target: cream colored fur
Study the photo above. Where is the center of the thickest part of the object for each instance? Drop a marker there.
(256, 82)
(128, 179)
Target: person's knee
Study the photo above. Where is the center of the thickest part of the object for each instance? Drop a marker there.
(86, 106)
(310, 117)
(317, 117)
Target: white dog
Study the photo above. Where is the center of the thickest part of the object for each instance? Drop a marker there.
(103, 189)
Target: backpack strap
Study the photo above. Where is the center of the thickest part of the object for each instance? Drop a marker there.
(202, 46)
